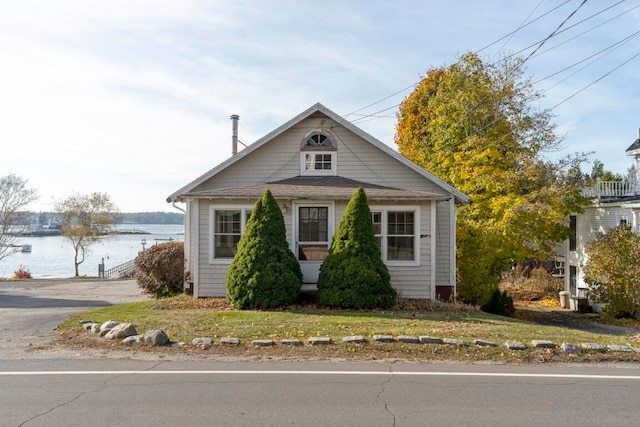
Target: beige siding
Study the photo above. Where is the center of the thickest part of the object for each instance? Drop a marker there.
(594, 219)
(443, 244)
(212, 275)
(357, 159)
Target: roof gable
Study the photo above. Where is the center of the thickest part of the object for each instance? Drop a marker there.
(315, 109)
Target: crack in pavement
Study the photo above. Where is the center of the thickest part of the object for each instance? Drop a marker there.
(379, 396)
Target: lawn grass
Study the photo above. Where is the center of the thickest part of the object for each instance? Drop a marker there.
(182, 321)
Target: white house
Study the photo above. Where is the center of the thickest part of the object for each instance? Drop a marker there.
(312, 165)
(614, 203)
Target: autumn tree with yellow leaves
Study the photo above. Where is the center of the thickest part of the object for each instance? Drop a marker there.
(475, 125)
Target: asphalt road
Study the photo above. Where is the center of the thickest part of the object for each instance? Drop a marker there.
(31, 310)
(45, 386)
(204, 393)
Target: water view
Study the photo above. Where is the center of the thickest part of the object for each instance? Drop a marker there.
(52, 256)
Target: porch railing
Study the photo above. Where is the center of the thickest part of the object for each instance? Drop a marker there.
(612, 189)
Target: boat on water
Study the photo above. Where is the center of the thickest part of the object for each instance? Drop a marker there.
(25, 249)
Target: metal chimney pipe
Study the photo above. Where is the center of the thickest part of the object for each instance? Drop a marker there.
(234, 134)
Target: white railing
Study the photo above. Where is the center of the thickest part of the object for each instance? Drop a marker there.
(612, 189)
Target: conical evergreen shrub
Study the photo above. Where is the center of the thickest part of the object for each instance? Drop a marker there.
(264, 272)
(353, 274)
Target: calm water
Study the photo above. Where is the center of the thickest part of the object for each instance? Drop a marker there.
(53, 256)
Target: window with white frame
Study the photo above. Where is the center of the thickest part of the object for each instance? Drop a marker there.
(228, 225)
(397, 233)
(318, 155)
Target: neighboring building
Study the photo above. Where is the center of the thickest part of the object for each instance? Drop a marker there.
(614, 203)
(312, 165)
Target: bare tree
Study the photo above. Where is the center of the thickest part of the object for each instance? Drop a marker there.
(14, 197)
(86, 219)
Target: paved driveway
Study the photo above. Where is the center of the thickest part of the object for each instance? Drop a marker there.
(31, 310)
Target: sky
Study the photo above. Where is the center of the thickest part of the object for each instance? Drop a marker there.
(133, 97)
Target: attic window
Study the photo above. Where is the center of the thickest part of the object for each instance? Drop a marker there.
(319, 141)
(318, 154)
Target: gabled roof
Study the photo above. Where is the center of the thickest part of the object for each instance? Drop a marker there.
(634, 148)
(187, 189)
(316, 187)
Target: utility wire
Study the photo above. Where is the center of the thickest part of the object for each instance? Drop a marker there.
(623, 41)
(582, 68)
(582, 33)
(476, 52)
(595, 81)
(576, 24)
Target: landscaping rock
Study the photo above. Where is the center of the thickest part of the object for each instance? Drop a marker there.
(263, 343)
(515, 345)
(156, 337)
(95, 328)
(134, 339)
(319, 340)
(430, 340)
(121, 331)
(354, 339)
(108, 325)
(84, 322)
(571, 348)
(203, 343)
(593, 346)
(90, 325)
(291, 341)
(453, 341)
(383, 338)
(230, 341)
(408, 339)
(543, 344)
(483, 343)
(619, 348)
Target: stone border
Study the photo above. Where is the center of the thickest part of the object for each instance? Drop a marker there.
(126, 332)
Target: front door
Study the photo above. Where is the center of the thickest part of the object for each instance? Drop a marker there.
(314, 228)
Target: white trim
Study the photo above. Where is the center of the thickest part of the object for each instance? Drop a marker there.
(196, 245)
(331, 227)
(433, 250)
(212, 218)
(318, 172)
(188, 250)
(385, 209)
(463, 198)
(452, 247)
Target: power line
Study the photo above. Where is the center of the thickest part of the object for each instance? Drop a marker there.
(476, 52)
(595, 81)
(551, 35)
(584, 32)
(576, 24)
(620, 42)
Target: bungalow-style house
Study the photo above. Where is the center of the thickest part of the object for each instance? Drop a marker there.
(313, 164)
(614, 203)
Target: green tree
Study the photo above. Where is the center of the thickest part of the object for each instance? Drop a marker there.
(474, 125)
(612, 271)
(15, 195)
(353, 274)
(264, 272)
(86, 219)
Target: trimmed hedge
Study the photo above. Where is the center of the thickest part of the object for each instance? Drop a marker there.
(264, 272)
(353, 274)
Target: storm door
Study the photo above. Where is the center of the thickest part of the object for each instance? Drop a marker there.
(313, 232)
